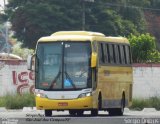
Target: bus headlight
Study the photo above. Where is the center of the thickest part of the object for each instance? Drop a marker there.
(42, 95)
(85, 95)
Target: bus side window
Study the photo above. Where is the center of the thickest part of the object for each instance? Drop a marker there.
(125, 54)
(101, 52)
(122, 54)
(111, 54)
(117, 54)
(107, 59)
(128, 58)
(130, 54)
(114, 53)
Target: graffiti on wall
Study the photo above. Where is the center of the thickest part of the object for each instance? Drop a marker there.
(23, 81)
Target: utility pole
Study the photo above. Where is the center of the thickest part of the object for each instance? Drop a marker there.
(6, 25)
(6, 37)
(84, 13)
(4, 2)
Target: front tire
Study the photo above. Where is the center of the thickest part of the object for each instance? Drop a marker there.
(72, 112)
(94, 112)
(48, 113)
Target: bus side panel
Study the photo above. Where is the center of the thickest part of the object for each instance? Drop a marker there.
(112, 81)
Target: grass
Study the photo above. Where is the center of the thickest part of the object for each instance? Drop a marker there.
(139, 104)
(17, 101)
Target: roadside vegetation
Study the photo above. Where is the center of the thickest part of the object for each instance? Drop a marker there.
(17, 49)
(139, 104)
(144, 49)
(17, 101)
(28, 100)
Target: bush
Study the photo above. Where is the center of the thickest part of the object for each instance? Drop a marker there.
(2, 101)
(144, 48)
(17, 101)
(139, 104)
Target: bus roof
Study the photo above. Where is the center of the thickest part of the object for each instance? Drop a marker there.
(81, 36)
(84, 33)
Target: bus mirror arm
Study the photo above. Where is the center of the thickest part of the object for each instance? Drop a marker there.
(93, 60)
(29, 62)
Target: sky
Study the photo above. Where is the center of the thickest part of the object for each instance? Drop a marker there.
(2, 2)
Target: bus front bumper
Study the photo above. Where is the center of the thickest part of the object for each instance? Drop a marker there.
(51, 104)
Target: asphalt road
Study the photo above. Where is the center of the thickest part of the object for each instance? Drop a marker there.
(31, 116)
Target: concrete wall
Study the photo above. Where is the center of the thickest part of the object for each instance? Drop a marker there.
(15, 78)
(146, 79)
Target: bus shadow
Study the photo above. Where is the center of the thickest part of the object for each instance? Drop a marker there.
(87, 115)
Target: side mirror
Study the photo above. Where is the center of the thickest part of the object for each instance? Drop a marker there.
(93, 59)
(29, 62)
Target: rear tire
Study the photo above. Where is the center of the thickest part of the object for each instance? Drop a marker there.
(118, 111)
(80, 112)
(100, 102)
(115, 112)
(48, 113)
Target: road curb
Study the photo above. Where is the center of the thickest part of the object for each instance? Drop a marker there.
(149, 110)
(26, 109)
(3, 109)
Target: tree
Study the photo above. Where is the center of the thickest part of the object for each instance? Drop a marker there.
(32, 19)
(143, 48)
(22, 52)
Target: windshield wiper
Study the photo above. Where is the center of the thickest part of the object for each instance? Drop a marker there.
(55, 79)
(67, 75)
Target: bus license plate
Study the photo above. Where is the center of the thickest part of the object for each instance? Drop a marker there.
(62, 104)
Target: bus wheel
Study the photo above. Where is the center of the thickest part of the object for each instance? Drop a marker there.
(48, 113)
(118, 111)
(72, 112)
(94, 112)
(100, 102)
(80, 112)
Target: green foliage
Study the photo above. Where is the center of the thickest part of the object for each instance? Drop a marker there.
(22, 52)
(32, 19)
(155, 56)
(2, 101)
(139, 104)
(17, 101)
(144, 48)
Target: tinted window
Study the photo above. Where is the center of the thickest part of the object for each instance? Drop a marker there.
(101, 51)
(117, 53)
(114, 53)
(122, 54)
(107, 59)
(128, 58)
(125, 56)
(111, 54)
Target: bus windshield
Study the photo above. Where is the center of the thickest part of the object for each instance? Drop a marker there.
(63, 66)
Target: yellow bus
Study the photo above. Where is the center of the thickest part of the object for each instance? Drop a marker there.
(82, 71)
